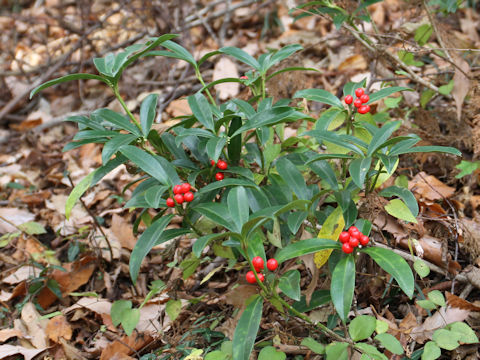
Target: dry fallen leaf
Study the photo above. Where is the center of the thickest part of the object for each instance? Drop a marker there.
(226, 68)
(461, 84)
(6, 334)
(120, 349)
(10, 350)
(58, 327)
(15, 216)
(429, 187)
(123, 231)
(35, 326)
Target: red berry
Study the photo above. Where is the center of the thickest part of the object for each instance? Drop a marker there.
(219, 176)
(364, 240)
(356, 235)
(353, 242)
(272, 264)
(222, 165)
(177, 189)
(179, 198)
(363, 109)
(357, 103)
(188, 196)
(359, 92)
(347, 248)
(251, 277)
(344, 237)
(212, 162)
(365, 98)
(170, 202)
(244, 77)
(261, 277)
(368, 108)
(348, 99)
(257, 263)
(186, 187)
(352, 229)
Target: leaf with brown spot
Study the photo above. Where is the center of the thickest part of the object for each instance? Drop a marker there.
(58, 327)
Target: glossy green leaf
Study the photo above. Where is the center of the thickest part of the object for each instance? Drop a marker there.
(176, 51)
(362, 327)
(146, 162)
(215, 147)
(282, 54)
(467, 333)
(334, 138)
(117, 119)
(148, 109)
(217, 212)
(431, 351)
(319, 95)
(154, 195)
(381, 136)
(395, 265)
(319, 297)
(428, 149)
(337, 351)
(238, 206)
(226, 183)
(403, 193)
(370, 352)
(270, 353)
(65, 79)
(203, 241)
(292, 177)
(343, 285)
(398, 209)
(247, 328)
(358, 170)
(328, 116)
(234, 146)
(295, 220)
(145, 243)
(380, 94)
(201, 110)
(289, 283)
(304, 247)
(241, 56)
(112, 145)
(324, 170)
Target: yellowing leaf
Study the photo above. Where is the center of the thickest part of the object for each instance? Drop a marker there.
(331, 229)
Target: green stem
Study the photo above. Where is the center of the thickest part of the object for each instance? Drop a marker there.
(200, 78)
(120, 99)
(376, 177)
(263, 87)
(188, 221)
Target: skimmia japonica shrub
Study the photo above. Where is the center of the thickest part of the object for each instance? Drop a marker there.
(240, 184)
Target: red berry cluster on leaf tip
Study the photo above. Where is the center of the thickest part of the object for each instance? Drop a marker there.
(258, 265)
(182, 193)
(360, 102)
(351, 239)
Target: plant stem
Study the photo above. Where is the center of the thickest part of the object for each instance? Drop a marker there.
(200, 78)
(263, 87)
(120, 99)
(376, 177)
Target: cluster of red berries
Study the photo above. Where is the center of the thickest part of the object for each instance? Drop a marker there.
(351, 239)
(257, 263)
(359, 102)
(182, 194)
(222, 165)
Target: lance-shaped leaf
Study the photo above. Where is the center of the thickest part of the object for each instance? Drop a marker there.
(304, 247)
(246, 330)
(343, 285)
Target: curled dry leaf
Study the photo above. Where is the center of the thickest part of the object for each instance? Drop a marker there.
(10, 350)
(35, 326)
(429, 187)
(6, 334)
(58, 327)
(121, 349)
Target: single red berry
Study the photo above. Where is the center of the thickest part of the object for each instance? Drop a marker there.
(272, 264)
(170, 202)
(244, 77)
(352, 229)
(357, 103)
(261, 277)
(251, 277)
(177, 189)
(257, 263)
(363, 109)
(212, 162)
(188, 196)
(356, 234)
(179, 198)
(365, 98)
(364, 240)
(348, 99)
(344, 237)
(359, 92)
(222, 165)
(219, 176)
(368, 108)
(185, 187)
(347, 248)
(353, 242)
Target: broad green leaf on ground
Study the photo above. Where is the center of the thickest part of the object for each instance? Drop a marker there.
(337, 351)
(398, 209)
(390, 343)
(362, 327)
(270, 353)
(313, 345)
